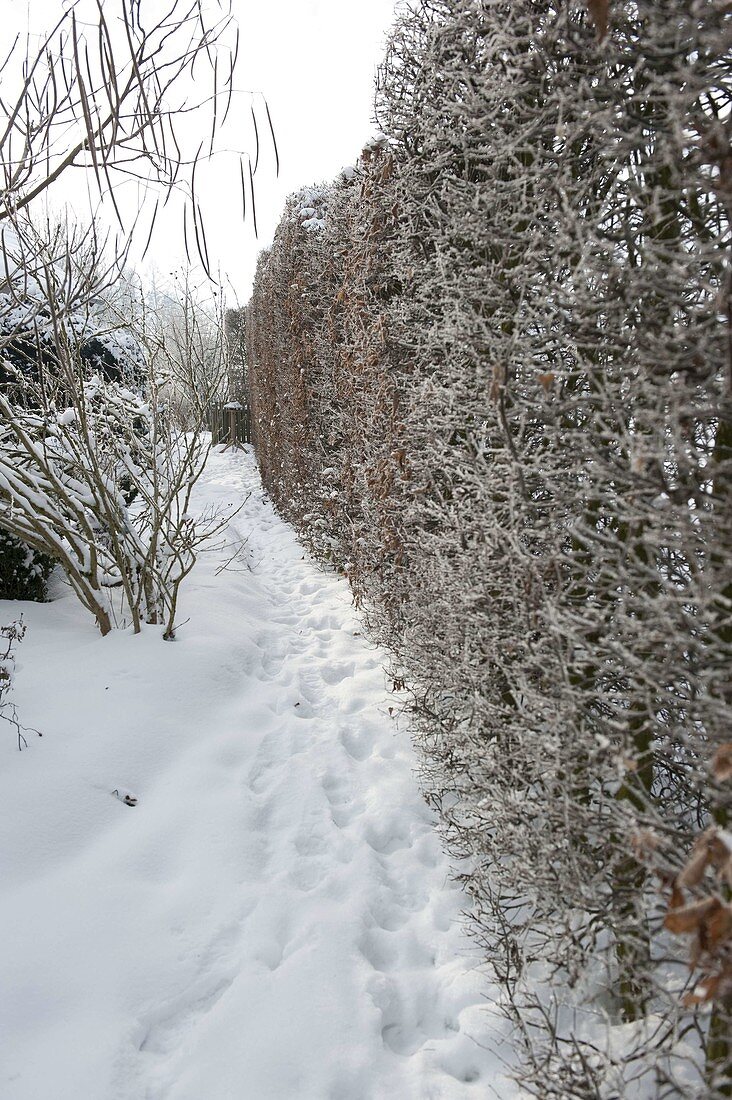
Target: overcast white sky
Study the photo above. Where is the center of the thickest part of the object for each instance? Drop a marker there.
(314, 61)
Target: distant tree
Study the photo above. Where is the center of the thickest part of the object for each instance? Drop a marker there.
(184, 335)
(235, 329)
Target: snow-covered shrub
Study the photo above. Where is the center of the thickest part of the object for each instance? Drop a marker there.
(24, 572)
(561, 263)
(94, 472)
(27, 339)
(103, 487)
(29, 365)
(292, 397)
(493, 384)
(324, 404)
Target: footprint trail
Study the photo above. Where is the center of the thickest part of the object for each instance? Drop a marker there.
(275, 919)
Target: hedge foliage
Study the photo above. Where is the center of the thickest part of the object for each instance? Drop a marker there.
(490, 381)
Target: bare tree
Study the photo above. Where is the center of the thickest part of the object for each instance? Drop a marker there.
(185, 337)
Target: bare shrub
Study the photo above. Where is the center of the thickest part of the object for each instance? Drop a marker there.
(94, 470)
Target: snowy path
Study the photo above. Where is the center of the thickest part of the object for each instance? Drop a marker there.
(274, 920)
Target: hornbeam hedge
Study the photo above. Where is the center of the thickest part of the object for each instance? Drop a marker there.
(490, 379)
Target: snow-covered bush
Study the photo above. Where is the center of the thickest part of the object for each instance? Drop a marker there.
(24, 572)
(324, 404)
(93, 470)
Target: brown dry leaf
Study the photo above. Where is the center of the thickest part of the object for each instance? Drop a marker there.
(725, 872)
(705, 990)
(599, 10)
(690, 918)
(697, 863)
(644, 843)
(719, 852)
(718, 927)
(547, 380)
(387, 171)
(677, 899)
(722, 763)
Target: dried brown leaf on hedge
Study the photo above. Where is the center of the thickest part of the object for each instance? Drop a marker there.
(599, 11)
(706, 990)
(677, 899)
(690, 918)
(718, 927)
(711, 849)
(722, 763)
(694, 868)
(709, 921)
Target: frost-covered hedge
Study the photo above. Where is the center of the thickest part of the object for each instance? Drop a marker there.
(490, 380)
(323, 401)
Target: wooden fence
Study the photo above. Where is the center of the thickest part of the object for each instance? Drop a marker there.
(230, 424)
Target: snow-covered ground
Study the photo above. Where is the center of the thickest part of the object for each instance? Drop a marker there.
(274, 920)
